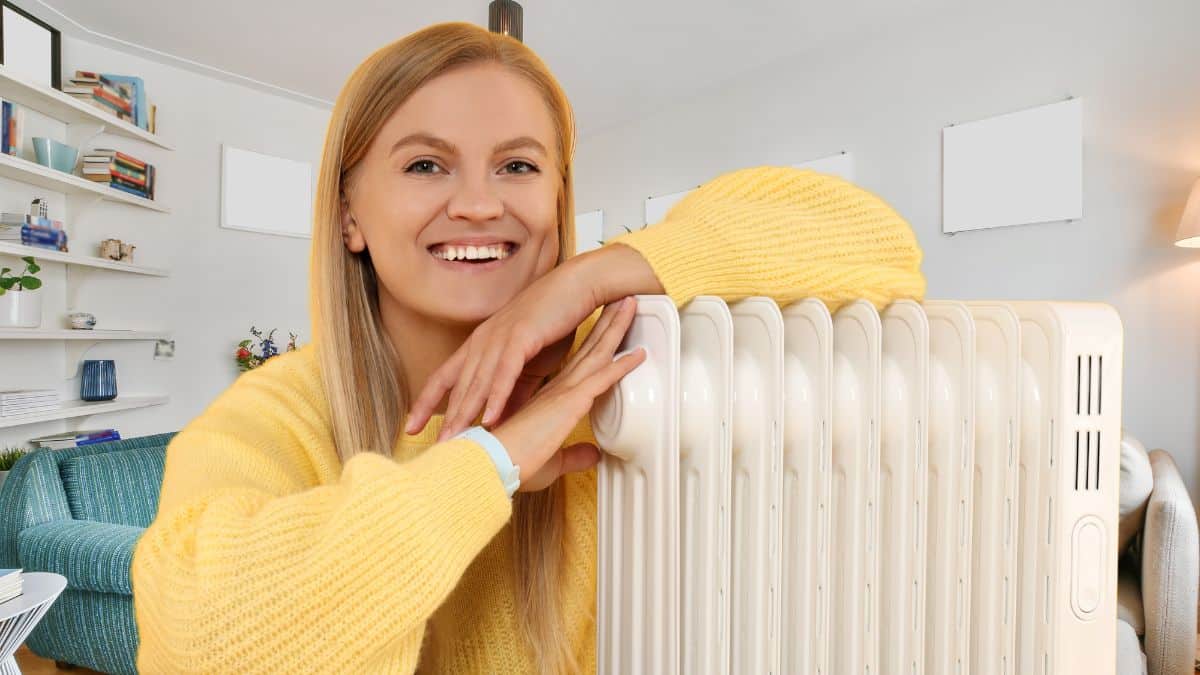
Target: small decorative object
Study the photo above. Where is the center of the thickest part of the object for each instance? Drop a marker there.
(30, 47)
(99, 382)
(111, 249)
(9, 457)
(164, 349)
(504, 17)
(57, 156)
(83, 320)
(248, 360)
(39, 208)
(127, 252)
(20, 306)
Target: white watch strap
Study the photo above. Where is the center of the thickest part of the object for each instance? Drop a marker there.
(510, 474)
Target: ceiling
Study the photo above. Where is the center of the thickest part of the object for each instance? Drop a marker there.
(617, 60)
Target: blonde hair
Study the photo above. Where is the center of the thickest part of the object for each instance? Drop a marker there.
(366, 400)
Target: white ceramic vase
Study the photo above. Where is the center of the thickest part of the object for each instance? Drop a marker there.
(21, 309)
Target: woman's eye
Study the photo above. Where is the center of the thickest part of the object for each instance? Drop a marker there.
(422, 166)
(519, 166)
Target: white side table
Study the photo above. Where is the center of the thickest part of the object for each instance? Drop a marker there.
(19, 615)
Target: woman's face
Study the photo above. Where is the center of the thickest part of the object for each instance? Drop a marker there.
(456, 197)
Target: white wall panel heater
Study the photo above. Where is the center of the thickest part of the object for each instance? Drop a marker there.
(927, 489)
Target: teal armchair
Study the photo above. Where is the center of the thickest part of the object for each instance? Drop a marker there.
(78, 512)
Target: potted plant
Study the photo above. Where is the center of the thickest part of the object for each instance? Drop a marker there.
(8, 457)
(248, 360)
(20, 306)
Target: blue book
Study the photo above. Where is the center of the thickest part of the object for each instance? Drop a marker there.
(141, 113)
(5, 114)
(89, 440)
(126, 188)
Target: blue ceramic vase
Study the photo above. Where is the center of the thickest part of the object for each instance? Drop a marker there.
(99, 380)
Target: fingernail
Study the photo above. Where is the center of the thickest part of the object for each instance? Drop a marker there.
(488, 414)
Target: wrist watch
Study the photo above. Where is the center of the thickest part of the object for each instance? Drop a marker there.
(510, 474)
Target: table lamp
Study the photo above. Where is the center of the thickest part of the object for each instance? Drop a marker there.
(1188, 235)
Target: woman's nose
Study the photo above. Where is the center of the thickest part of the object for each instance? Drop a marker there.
(474, 198)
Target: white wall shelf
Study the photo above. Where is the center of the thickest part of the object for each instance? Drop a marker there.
(77, 259)
(78, 408)
(80, 334)
(33, 173)
(65, 107)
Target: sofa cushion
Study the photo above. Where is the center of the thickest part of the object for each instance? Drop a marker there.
(1129, 597)
(119, 487)
(92, 556)
(1130, 659)
(1170, 571)
(1136, 483)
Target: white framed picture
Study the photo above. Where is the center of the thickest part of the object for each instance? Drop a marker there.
(267, 194)
(29, 47)
(589, 230)
(1016, 169)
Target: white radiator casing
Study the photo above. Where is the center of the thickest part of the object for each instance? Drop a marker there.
(894, 492)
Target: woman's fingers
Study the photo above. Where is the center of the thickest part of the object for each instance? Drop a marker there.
(578, 457)
(610, 311)
(606, 342)
(504, 380)
(466, 378)
(435, 388)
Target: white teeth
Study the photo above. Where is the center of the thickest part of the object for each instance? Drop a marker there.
(492, 252)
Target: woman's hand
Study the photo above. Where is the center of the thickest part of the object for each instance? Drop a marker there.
(534, 434)
(507, 356)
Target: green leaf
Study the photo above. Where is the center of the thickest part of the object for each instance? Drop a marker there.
(31, 283)
(28, 259)
(8, 282)
(34, 269)
(6, 270)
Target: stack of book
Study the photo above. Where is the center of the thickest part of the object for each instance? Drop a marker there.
(73, 439)
(27, 401)
(120, 171)
(10, 584)
(10, 226)
(121, 95)
(12, 127)
(38, 231)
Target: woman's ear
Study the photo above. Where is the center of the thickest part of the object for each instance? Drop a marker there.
(352, 235)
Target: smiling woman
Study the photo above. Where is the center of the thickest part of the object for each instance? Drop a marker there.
(302, 522)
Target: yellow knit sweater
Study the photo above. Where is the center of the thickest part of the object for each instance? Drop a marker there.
(268, 555)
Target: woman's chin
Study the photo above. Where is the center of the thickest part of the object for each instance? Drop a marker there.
(471, 311)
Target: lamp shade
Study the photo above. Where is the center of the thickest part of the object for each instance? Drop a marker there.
(1189, 226)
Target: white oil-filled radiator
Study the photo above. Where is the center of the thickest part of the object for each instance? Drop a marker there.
(931, 489)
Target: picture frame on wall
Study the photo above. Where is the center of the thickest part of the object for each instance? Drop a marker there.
(29, 47)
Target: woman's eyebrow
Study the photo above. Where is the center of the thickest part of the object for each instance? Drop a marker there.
(520, 142)
(422, 138)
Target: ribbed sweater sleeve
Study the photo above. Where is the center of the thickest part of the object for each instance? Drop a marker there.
(783, 234)
(265, 558)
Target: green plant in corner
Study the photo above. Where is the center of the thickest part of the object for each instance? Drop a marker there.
(9, 456)
(25, 281)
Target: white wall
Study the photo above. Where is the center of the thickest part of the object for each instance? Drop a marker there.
(221, 281)
(886, 97)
